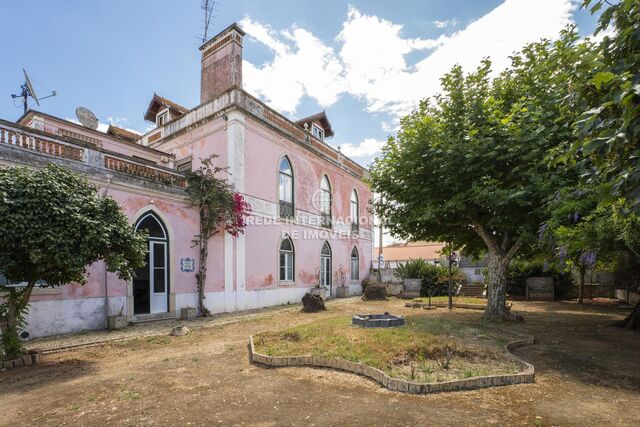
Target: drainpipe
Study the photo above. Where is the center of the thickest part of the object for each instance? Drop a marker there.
(106, 284)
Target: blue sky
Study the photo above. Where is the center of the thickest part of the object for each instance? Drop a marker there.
(365, 62)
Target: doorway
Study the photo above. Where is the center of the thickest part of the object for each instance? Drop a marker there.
(151, 282)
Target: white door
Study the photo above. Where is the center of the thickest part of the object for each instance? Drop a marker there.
(325, 273)
(158, 276)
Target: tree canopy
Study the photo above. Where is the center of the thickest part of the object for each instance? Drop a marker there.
(470, 167)
(53, 225)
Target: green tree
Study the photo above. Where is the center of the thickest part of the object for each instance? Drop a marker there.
(53, 224)
(582, 231)
(609, 129)
(470, 168)
(220, 208)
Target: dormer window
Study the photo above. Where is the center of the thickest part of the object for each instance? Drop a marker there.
(317, 131)
(162, 118)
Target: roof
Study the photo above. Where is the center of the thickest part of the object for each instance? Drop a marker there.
(321, 118)
(412, 250)
(122, 133)
(158, 102)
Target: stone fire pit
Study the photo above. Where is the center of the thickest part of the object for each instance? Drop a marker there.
(385, 320)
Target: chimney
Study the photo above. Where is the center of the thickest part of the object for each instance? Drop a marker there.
(221, 63)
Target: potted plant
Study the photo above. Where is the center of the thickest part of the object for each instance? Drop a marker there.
(318, 290)
(412, 274)
(342, 291)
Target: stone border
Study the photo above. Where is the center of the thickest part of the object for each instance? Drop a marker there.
(526, 376)
(416, 304)
(26, 360)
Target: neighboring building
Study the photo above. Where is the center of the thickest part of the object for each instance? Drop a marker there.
(309, 202)
(399, 253)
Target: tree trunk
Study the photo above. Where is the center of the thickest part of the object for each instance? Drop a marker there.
(16, 302)
(583, 271)
(632, 321)
(497, 289)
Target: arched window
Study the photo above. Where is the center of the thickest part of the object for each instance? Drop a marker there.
(355, 264)
(151, 282)
(287, 260)
(325, 202)
(325, 267)
(355, 211)
(285, 188)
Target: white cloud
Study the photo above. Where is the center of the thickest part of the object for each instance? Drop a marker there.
(446, 23)
(367, 148)
(370, 62)
(302, 65)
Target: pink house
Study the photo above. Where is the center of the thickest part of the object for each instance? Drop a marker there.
(310, 224)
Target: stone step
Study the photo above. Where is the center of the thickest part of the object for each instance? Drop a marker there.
(153, 317)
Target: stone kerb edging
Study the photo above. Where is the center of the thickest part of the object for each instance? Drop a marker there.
(526, 376)
(26, 360)
(446, 305)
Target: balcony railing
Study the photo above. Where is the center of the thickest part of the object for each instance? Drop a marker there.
(26, 139)
(34, 142)
(287, 210)
(143, 171)
(325, 220)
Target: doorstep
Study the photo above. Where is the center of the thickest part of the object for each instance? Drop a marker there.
(152, 317)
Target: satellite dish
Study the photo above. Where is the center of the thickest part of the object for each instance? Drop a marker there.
(32, 91)
(87, 118)
(27, 90)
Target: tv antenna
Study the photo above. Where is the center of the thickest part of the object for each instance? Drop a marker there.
(29, 91)
(207, 7)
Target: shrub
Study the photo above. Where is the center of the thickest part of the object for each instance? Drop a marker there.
(435, 278)
(375, 293)
(412, 269)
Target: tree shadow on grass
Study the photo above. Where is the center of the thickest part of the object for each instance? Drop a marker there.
(28, 378)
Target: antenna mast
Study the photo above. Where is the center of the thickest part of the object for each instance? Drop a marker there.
(29, 91)
(207, 8)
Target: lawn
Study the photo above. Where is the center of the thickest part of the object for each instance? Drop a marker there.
(426, 349)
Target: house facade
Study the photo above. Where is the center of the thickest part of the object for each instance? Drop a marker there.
(310, 224)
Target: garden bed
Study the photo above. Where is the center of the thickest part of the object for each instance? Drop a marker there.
(424, 351)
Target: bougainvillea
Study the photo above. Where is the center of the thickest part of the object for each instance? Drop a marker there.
(237, 221)
(221, 209)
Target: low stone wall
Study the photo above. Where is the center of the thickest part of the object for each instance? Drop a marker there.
(626, 295)
(526, 376)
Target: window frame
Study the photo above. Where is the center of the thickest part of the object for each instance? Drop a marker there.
(162, 115)
(355, 276)
(285, 206)
(317, 131)
(289, 256)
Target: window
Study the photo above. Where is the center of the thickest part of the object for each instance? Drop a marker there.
(285, 188)
(325, 202)
(325, 267)
(355, 264)
(318, 132)
(162, 118)
(287, 258)
(355, 211)
(184, 165)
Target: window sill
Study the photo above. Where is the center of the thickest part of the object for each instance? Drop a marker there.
(287, 283)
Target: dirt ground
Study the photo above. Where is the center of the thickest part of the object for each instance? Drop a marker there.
(587, 373)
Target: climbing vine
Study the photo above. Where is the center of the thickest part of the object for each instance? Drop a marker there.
(220, 208)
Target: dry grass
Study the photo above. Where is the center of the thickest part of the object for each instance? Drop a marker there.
(426, 349)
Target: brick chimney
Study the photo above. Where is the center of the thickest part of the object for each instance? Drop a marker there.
(221, 63)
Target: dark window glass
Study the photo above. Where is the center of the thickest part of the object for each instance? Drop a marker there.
(158, 280)
(158, 255)
(153, 227)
